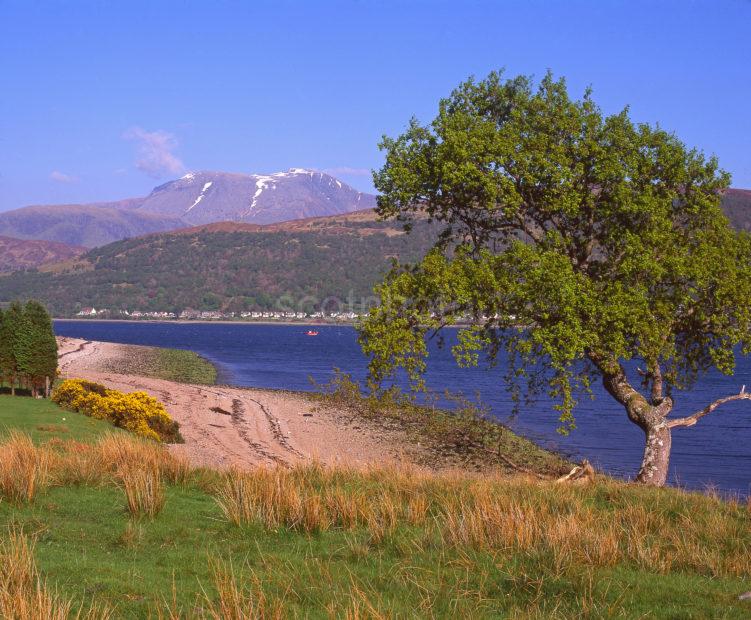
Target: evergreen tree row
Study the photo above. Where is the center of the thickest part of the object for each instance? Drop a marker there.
(28, 349)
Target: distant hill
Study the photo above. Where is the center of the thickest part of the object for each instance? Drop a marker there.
(24, 254)
(737, 206)
(230, 267)
(197, 198)
(82, 225)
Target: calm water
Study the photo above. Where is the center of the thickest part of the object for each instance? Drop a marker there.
(716, 452)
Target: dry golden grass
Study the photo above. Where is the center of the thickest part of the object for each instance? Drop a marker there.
(274, 498)
(24, 468)
(122, 452)
(236, 598)
(144, 491)
(597, 526)
(139, 467)
(361, 607)
(23, 593)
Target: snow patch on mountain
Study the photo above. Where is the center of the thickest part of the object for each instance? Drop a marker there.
(200, 196)
(261, 183)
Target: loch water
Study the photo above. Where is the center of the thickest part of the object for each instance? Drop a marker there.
(716, 453)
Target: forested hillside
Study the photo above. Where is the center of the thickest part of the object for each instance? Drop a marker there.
(229, 267)
(235, 267)
(25, 254)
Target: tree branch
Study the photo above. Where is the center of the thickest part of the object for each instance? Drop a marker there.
(656, 374)
(694, 418)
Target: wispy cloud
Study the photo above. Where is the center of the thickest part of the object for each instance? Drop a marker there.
(155, 154)
(61, 177)
(355, 172)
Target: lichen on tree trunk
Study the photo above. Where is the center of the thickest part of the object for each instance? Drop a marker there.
(654, 466)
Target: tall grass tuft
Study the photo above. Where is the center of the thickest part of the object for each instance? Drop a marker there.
(144, 491)
(239, 602)
(24, 595)
(24, 468)
(125, 452)
(232, 597)
(274, 498)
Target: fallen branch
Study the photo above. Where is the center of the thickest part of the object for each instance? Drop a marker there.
(577, 473)
(581, 473)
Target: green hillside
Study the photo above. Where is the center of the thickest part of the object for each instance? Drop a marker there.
(227, 267)
(235, 267)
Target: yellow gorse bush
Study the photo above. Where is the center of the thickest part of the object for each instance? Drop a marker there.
(136, 412)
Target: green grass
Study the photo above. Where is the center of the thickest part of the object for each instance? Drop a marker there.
(43, 420)
(170, 364)
(86, 546)
(90, 549)
(183, 366)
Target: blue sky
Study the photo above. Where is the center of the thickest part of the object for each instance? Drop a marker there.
(104, 100)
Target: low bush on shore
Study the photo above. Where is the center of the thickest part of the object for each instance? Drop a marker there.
(137, 412)
(129, 527)
(168, 364)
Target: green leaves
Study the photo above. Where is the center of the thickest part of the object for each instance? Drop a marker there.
(28, 348)
(566, 236)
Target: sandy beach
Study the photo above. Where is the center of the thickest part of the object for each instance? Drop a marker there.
(225, 426)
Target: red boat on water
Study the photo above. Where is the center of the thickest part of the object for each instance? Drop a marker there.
(311, 332)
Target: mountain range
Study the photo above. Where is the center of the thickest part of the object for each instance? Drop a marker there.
(196, 198)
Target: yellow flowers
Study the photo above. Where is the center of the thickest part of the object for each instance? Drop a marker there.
(137, 412)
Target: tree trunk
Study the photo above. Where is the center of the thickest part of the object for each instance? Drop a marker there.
(654, 465)
(648, 415)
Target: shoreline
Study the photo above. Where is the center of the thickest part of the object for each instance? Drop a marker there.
(225, 426)
(212, 322)
(285, 323)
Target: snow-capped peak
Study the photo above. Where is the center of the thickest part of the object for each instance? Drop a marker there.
(188, 177)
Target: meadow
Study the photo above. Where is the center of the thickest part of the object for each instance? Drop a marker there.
(98, 522)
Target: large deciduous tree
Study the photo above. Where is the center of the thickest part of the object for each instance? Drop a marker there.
(584, 246)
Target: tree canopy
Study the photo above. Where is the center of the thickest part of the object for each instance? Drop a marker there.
(576, 240)
(28, 349)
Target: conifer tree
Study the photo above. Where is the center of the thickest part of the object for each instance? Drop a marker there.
(3, 341)
(9, 329)
(36, 347)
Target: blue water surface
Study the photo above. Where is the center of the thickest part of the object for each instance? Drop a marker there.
(714, 453)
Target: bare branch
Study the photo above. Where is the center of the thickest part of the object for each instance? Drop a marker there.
(694, 418)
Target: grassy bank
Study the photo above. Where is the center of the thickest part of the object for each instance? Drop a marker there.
(170, 364)
(341, 542)
(466, 437)
(43, 420)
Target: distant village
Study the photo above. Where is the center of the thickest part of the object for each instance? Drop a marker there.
(215, 315)
(260, 316)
